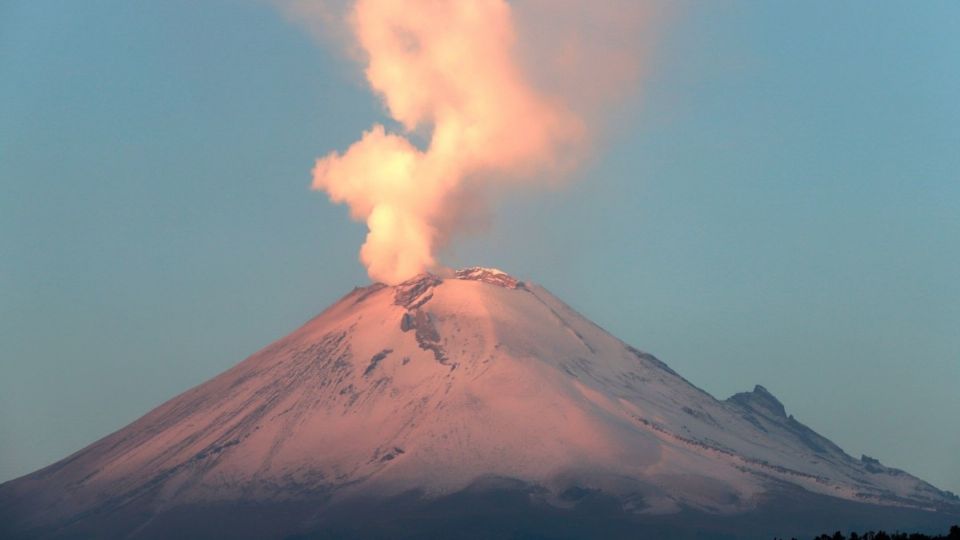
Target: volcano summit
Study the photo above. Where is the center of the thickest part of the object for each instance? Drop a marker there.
(472, 406)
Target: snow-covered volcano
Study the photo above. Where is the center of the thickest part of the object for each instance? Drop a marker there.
(477, 383)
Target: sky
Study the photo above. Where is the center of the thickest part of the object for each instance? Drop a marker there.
(778, 204)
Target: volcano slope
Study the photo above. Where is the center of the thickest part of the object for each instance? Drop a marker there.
(475, 406)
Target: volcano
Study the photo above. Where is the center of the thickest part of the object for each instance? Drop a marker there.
(467, 406)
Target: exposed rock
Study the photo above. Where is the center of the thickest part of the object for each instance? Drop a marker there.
(491, 276)
(416, 291)
(426, 333)
(377, 358)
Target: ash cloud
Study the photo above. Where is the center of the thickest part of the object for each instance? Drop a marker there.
(506, 94)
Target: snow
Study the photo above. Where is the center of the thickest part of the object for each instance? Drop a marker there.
(435, 383)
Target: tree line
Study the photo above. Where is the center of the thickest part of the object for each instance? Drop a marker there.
(953, 534)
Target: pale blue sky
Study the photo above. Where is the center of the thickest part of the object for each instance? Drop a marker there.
(780, 205)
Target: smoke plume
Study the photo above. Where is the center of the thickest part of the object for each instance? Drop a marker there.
(502, 92)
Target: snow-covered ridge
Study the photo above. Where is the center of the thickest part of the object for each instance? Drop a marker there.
(493, 276)
(417, 290)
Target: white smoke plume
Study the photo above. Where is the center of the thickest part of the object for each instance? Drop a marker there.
(504, 91)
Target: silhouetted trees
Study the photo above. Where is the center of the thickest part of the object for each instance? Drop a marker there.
(953, 534)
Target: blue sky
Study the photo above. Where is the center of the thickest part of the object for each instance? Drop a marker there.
(780, 204)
